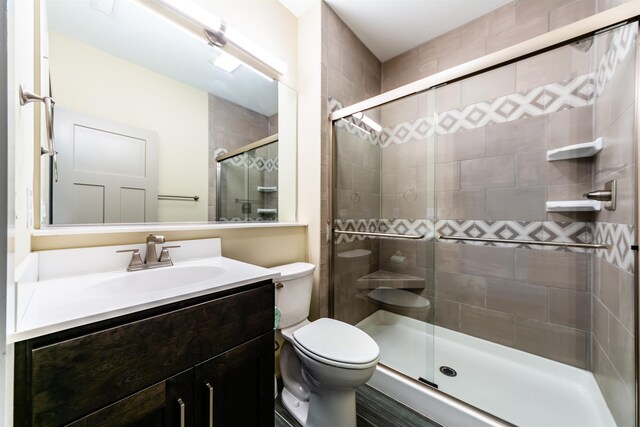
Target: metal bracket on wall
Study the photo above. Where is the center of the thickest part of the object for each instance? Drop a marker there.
(608, 195)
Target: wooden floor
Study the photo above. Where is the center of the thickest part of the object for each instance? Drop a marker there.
(373, 409)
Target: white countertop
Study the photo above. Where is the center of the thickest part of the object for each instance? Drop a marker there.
(62, 289)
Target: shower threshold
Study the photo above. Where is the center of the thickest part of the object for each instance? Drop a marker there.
(524, 389)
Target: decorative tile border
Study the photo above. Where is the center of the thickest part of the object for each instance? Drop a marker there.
(541, 231)
(260, 163)
(579, 91)
(619, 237)
(623, 40)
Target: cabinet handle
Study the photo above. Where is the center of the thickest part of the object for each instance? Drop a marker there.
(182, 410)
(210, 404)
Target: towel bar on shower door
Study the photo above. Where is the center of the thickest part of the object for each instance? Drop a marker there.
(529, 242)
(388, 235)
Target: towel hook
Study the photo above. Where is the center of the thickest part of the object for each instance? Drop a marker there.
(26, 97)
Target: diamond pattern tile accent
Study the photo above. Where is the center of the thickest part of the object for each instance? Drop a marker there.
(619, 237)
(575, 92)
(259, 163)
(623, 40)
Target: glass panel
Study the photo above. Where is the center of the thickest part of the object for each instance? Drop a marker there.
(249, 185)
(385, 286)
(551, 329)
(507, 167)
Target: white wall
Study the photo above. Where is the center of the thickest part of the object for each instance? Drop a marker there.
(309, 131)
(20, 124)
(265, 22)
(144, 99)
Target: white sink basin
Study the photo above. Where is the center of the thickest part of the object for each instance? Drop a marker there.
(159, 279)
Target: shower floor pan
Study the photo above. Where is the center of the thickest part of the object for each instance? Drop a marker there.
(524, 389)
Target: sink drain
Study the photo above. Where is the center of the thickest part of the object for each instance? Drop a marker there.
(450, 372)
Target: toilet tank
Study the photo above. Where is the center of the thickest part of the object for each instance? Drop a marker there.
(294, 296)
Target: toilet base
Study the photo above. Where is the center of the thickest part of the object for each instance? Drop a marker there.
(297, 408)
(336, 409)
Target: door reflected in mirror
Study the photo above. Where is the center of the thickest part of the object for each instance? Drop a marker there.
(143, 110)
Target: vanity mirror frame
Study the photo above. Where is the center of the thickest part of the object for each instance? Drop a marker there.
(202, 24)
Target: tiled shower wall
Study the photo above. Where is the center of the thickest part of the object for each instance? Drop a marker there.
(351, 73)
(231, 126)
(504, 27)
(613, 297)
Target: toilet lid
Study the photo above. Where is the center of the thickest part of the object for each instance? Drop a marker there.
(338, 341)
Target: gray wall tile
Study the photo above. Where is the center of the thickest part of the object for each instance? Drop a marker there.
(489, 172)
(619, 399)
(610, 287)
(627, 300)
(570, 126)
(448, 176)
(519, 299)
(531, 169)
(622, 352)
(519, 136)
(447, 314)
(489, 85)
(487, 324)
(552, 268)
(559, 343)
(460, 146)
(600, 323)
(461, 288)
(516, 204)
(460, 204)
(554, 66)
(487, 261)
(570, 308)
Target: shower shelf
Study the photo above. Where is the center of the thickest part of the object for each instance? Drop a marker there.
(574, 206)
(575, 151)
(390, 279)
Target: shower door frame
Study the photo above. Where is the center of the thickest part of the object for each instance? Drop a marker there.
(624, 14)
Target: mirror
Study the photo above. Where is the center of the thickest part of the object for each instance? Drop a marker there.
(143, 110)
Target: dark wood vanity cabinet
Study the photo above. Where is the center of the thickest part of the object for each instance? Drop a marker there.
(208, 359)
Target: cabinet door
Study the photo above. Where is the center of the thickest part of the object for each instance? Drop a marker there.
(167, 403)
(235, 389)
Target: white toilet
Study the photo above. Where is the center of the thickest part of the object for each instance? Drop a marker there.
(321, 362)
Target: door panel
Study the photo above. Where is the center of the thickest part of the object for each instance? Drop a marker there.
(120, 159)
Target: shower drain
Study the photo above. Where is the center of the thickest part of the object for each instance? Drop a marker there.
(450, 372)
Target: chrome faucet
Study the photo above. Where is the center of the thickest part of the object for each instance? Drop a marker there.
(151, 259)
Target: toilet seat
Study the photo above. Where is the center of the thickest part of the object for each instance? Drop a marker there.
(337, 344)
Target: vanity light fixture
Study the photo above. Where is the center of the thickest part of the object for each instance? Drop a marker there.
(368, 121)
(226, 62)
(216, 32)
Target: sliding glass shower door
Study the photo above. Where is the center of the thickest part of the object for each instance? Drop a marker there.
(483, 234)
(383, 248)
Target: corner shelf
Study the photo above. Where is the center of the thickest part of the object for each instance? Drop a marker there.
(574, 206)
(263, 211)
(272, 189)
(575, 151)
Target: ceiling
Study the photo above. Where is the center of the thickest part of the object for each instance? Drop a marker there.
(391, 27)
(132, 32)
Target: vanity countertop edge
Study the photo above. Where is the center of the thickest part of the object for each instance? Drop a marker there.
(60, 303)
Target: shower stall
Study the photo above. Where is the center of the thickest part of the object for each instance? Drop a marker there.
(247, 179)
(483, 235)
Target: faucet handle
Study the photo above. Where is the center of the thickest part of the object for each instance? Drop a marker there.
(164, 253)
(136, 259)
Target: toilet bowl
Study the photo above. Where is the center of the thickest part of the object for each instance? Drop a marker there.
(321, 362)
